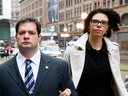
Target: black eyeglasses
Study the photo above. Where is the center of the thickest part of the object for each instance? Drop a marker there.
(96, 22)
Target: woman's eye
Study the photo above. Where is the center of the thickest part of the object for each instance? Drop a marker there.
(104, 22)
(95, 21)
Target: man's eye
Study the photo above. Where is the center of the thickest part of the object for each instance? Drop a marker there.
(21, 32)
(31, 32)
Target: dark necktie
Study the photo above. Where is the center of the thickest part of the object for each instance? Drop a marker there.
(29, 77)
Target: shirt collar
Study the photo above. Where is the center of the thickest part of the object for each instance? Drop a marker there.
(103, 49)
(35, 59)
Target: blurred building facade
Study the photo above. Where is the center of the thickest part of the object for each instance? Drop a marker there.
(15, 14)
(5, 9)
(5, 21)
(67, 14)
(15, 10)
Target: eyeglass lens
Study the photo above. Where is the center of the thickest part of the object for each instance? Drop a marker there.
(96, 22)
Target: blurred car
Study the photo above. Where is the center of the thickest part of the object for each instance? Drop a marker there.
(41, 48)
(15, 51)
(52, 51)
(2, 52)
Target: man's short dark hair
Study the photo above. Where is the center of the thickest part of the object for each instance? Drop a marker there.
(28, 19)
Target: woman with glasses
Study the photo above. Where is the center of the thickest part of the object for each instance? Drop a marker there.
(94, 60)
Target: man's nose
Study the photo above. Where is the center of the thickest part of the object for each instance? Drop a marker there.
(26, 35)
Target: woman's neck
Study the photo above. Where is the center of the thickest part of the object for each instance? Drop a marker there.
(96, 43)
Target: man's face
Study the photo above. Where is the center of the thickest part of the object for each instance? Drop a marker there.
(27, 36)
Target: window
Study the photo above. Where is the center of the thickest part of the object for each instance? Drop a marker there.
(63, 5)
(12, 14)
(108, 4)
(30, 14)
(59, 5)
(41, 20)
(40, 2)
(36, 13)
(77, 11)
(125, 20)
(21, 12)
(40, 11)
(59, 16)
(61, 28)
(84, 8)
(63, 16)
(121, 2)
(66, 3)
(113, 3)
(75, 1)
(98, 4)
(71, 2)
(90, 7)
(95, 5)
(126, 1)
(87, 8)
(17, 13)
(29, 7)
(69, 27)
(26, 9)
(80, 10)
(104, 4)
(71, 13)
(36, 4)
(66, 14)
(1, 7)
(33, 6)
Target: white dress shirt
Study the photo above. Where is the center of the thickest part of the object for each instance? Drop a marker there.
(35, 64)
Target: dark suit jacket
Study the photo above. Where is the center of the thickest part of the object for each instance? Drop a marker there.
(49, 81)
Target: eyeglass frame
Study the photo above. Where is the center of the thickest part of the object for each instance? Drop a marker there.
(99, 22)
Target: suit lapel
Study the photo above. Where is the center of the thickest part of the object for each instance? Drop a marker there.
(42, 73)
(15, 74)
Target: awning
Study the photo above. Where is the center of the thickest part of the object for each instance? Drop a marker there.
(7, 21)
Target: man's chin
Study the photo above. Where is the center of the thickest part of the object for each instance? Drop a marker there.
(26, 47)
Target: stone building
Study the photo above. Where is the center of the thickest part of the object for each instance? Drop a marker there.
(67, 14)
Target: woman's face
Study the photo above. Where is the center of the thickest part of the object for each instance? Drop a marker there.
(99, 25)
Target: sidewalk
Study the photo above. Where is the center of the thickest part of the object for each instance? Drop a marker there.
(124, 64)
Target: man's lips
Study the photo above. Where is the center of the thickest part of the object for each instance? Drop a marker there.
(26, 42)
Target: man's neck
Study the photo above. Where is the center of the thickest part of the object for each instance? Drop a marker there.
(28, 53)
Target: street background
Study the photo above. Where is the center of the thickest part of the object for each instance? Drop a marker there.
(123, 65)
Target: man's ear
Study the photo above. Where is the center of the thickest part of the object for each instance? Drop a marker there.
(16, 36)
(39, 37)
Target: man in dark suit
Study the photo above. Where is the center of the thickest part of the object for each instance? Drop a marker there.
(30, 72)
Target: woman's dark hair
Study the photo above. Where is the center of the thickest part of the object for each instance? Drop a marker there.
(114, 20)
(28, 19)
